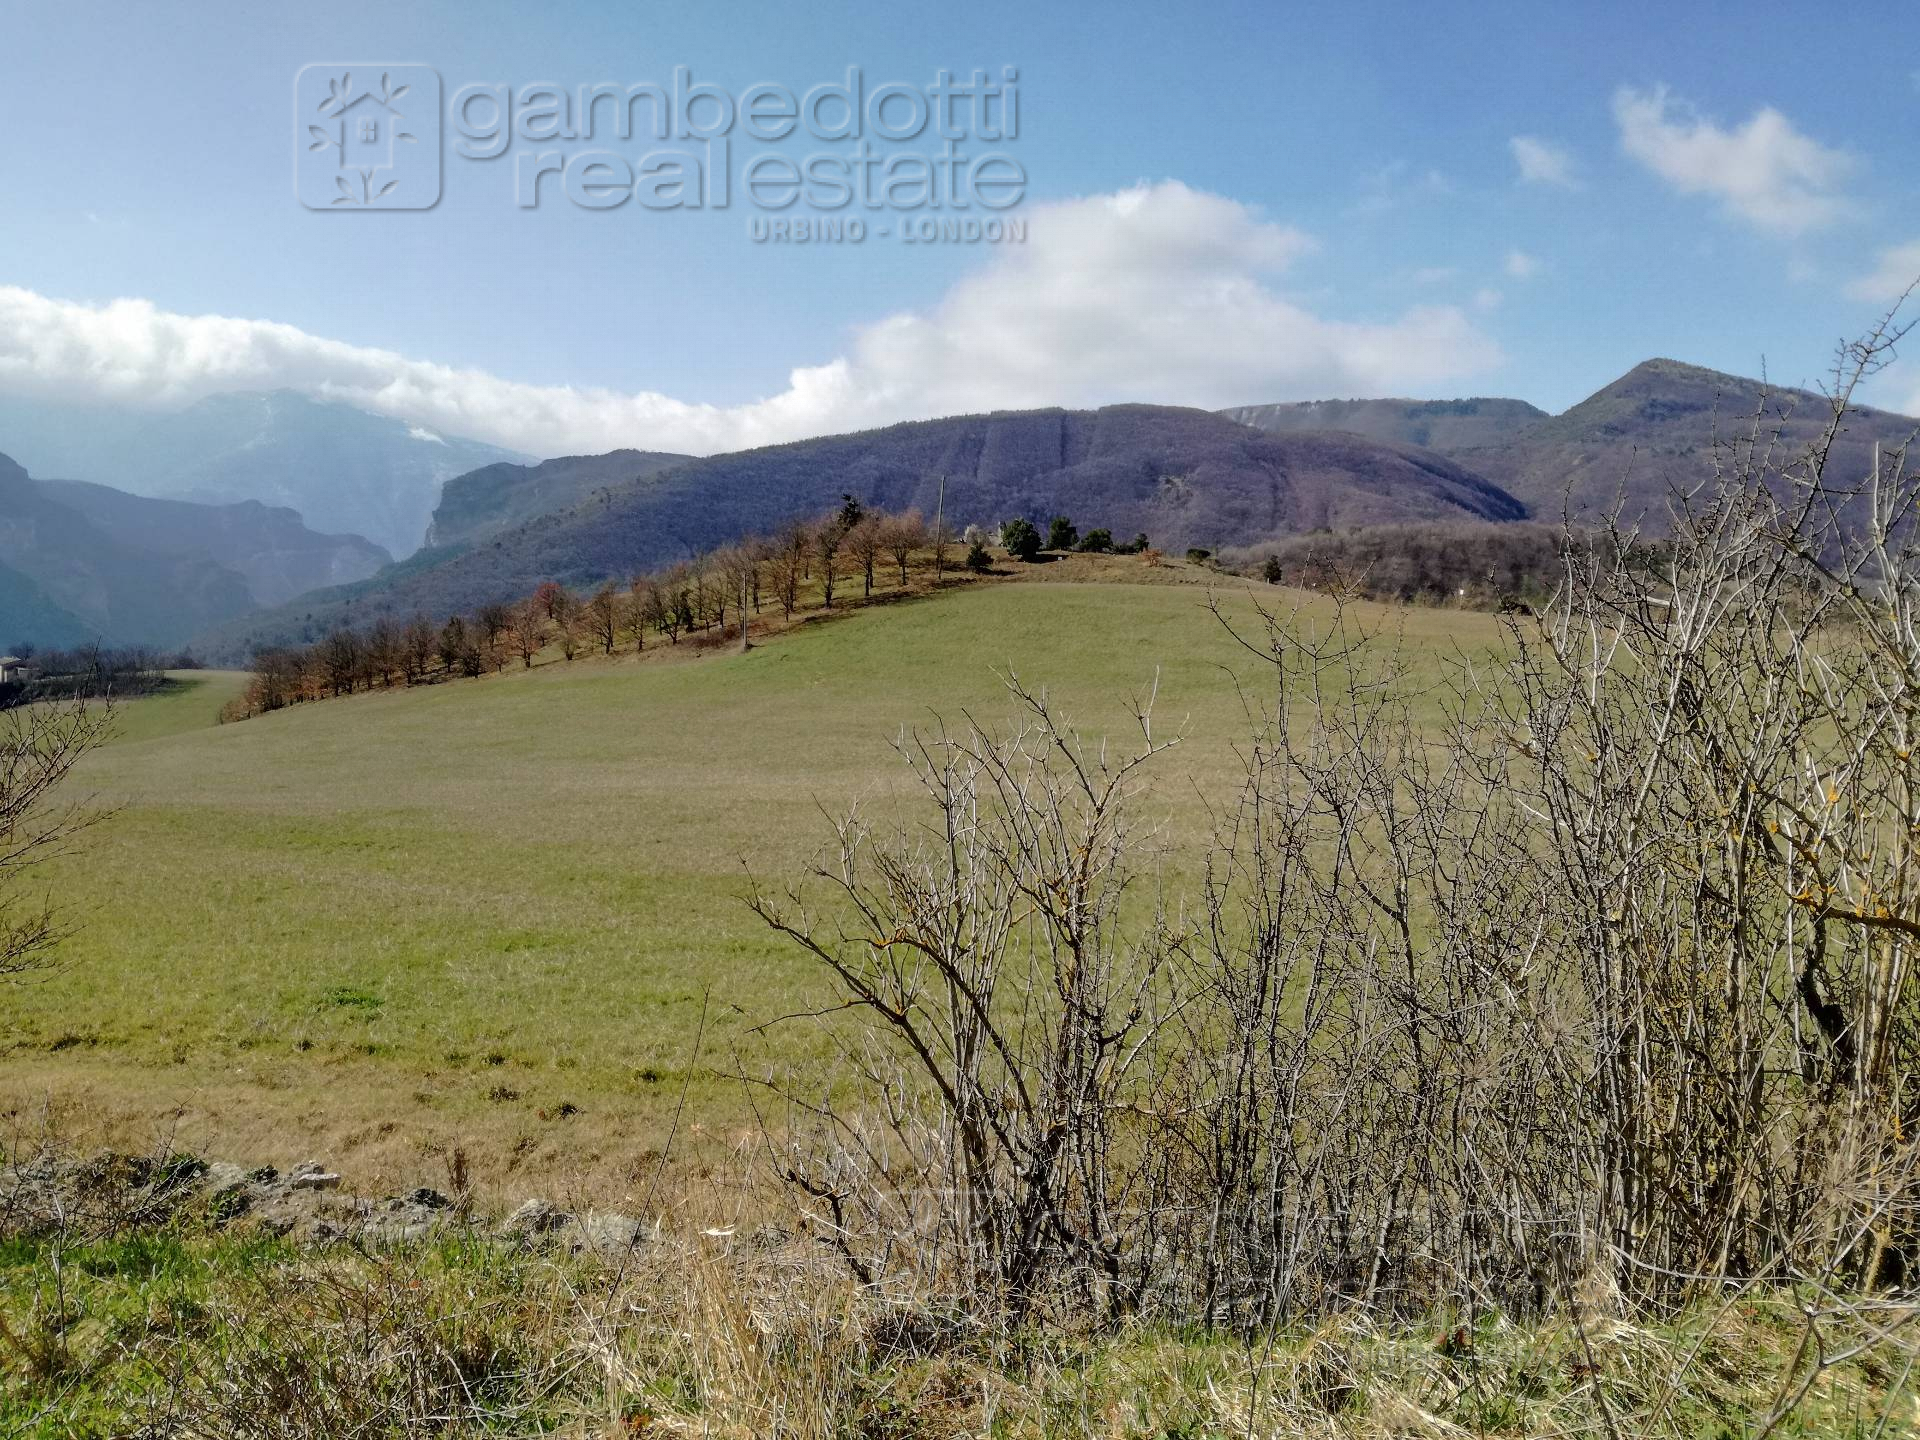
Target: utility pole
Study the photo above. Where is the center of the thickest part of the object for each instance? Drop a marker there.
(940, 533)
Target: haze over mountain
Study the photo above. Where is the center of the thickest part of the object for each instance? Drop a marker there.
(32, 617)
(484, 502)
(1183, 477)
(343, 470)
(266, 545)
(84, 562)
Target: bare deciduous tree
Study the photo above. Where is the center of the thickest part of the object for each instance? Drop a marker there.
(418, 643)
(603, 618)
(529, 629)
(39, 746)
(902, 535)
(384, 652)
(864, 542)
(827, 536)
(494, 621)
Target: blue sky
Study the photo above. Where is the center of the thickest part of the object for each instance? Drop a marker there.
(1336, 191)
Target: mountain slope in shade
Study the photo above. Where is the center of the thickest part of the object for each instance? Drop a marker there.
(120, 594)
(484, 502)
(344, 470)
(267, 546)
(28, 616)
(1184, 477)
(1653, 431)
(1447, 426)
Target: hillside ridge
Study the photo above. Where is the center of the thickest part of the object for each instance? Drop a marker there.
(1184, 477)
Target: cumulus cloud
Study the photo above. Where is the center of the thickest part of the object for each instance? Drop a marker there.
(1893, 273)
(1158, 292)
(1542, 162)
(1764, 172)
(1520, 266)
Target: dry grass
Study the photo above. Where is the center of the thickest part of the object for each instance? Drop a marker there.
(183, 1332)
(372, 929)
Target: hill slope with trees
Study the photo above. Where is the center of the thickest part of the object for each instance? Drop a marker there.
(482, 503)
(1653, 430)
(1183, 477)
(1657, 429)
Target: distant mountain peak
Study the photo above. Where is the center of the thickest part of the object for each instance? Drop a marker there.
(1663, 370)
(1641, 438)
(344, 469)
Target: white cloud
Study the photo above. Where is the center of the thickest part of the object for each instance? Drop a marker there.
(1487, 299)
(1765, 171)
(1396, 184)
(1520, 266)
(1896, 269)
(1542, 162)
(1158, 293)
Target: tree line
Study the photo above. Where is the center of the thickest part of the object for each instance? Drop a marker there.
(1484, 565)
(90, 672)
(807, 564)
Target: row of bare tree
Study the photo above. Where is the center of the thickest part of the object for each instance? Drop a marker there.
(807, 563)
(1580, 978)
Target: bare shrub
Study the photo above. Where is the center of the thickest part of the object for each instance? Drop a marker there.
(39, 746)
(1572, 980)
(1009, 1010)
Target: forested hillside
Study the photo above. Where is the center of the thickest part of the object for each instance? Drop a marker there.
(1183, 477)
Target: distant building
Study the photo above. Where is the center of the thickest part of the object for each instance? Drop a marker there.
(13, 669)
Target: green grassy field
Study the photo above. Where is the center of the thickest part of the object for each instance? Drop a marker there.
(375, 928)
(191, 701)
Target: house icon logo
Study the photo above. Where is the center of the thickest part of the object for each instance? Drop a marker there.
(367, 137)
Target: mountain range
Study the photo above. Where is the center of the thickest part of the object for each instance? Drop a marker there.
(1183, 477)
(1632, 444)
(1241, 477)
(245, 574)
(343, 470)
(80, 561)
(1655, 431)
